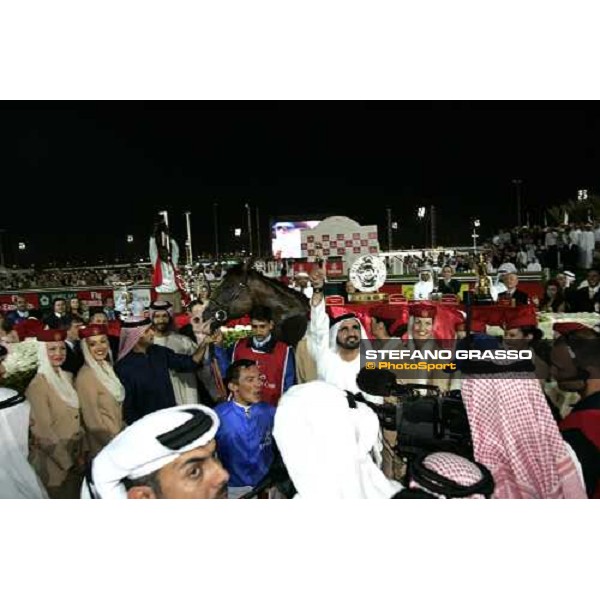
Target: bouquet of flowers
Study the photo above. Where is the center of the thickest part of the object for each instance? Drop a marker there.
(232, 334)
(21, 365)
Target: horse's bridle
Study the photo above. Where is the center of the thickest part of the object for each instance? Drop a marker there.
(221, 312)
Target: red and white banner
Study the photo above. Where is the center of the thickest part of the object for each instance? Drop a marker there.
(8, 301)
(43, 299)
(334, 268)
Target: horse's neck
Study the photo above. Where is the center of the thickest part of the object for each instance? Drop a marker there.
(278, 299)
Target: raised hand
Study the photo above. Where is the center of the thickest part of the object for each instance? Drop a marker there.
(317, 278)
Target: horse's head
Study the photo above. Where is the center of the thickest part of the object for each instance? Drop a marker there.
(244, 288)
(232, 298)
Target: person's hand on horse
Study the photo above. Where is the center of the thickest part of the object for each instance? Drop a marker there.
(217, 337)
(204, 337)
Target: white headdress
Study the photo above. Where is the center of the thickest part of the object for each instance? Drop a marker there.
(148, 445)
(17, 478)
(335, 327)
(329, 447)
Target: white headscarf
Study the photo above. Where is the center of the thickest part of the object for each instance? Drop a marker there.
(104, 373)
(333, 331)
(57, 381)
(343, 375)
(17, 478)
(137, 451)
(329, 448)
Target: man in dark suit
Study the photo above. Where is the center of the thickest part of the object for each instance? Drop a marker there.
(20, 314)
(109, 309)
(511, 281)
(58, 319)
(448, 285)
(587, 296)
(566, 282)
(74, 360)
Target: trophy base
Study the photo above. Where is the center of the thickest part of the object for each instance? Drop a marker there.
(475, 299)
(362, 297)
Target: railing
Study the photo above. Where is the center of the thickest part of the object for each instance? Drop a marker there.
(69, 288)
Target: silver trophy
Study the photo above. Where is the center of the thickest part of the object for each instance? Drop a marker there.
(123, 298)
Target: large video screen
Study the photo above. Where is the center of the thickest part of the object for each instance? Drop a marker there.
(286, 239)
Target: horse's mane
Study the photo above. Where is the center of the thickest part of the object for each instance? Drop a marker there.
(239, 270)
(284, 288)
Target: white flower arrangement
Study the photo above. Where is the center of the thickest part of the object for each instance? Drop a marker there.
(578, 317)
(22, 357)
(547, 320)
(21, 365)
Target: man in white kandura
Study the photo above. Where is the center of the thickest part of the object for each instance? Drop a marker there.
(424, 287)
(335, 346)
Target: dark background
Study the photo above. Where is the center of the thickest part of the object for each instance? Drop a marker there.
(77, 177)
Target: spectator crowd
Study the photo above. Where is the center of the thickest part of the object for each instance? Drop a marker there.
(149, 407)
(156, 406)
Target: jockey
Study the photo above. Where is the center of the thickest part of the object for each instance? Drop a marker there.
(274, 358)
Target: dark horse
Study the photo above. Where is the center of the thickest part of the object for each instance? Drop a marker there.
(243, 288)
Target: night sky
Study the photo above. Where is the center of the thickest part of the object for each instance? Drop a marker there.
(102, 170)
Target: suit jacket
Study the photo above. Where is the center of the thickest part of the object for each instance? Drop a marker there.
(520, 297)
(13, 317)
(55, 322)
(452, 287)
(102, 414)
(74, 360)
(580, 300)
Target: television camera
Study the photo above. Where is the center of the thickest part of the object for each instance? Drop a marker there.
(424, 419)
